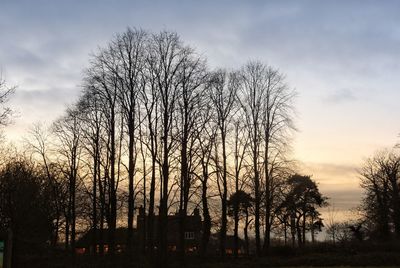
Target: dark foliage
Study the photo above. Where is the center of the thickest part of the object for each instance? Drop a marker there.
(25, 206)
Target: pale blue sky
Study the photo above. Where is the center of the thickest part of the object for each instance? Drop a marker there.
(341, 56)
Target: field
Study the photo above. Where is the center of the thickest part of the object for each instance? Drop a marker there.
(366, 255)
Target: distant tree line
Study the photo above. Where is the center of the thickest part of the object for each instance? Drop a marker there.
(155, 127)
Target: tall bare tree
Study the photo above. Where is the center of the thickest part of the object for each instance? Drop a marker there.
(91, 117)
(68, 132)
(166, 57)
(105, 82)
(39, 145)
(192, 76)
(149, 98)
(240, 150)
(129, 49)
(251, 97)
(278, 112)
(267, 103)
(222, 93)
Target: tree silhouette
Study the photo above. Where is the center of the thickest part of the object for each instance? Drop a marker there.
(301, 202)
(5, 94)
(241, 202)
(222, 93)
(25, 192)
(379, 179)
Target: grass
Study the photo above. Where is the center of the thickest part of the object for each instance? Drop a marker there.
(366, 255)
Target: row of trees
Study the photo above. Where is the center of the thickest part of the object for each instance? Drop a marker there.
(154, 127)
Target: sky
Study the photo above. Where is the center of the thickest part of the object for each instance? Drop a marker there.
(342, 57)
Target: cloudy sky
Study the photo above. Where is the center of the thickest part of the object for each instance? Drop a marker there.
(342, 57)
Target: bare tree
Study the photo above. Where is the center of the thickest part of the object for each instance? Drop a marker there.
(166, 57)
(38, 144)
(332, 225)
(240, 149)
(68, 132)
(379, 179)
(91, 117)
(129, 48)
(252, 95)
(144, 156)
(206, 141)
(149, 97)
(270, 112)
(105, 83)
(5, 94)
(222, 93)
(192, 76)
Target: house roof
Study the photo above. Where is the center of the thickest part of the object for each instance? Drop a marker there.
(121, 235)
(229, 242)
(193, 223)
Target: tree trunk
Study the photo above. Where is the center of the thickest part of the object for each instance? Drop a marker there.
(304, 229)
(151, 204)
(163, 224)
(113, 198)
(285, 231)
(102, 210)
(94, 193)
(144, 241)
(299, 233)
(67, 218)
(246, 236)
(183, 196)
(206, 215)
(236, 228)
(293, 228)
(73, 200)
(267, 235)
(224, 195)
(395, 203)
(131, 172)
(257, 209)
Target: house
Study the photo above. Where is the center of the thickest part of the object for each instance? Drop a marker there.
(85, 243)
(192, 229)
(229, 245)
(192, 235)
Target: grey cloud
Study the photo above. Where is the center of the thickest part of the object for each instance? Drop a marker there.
(45, 44)
(19, 56)
(345, 198)
(40, 105)
(330, 169)
(52, 97)
(330, 41)
(339, 182)
(340, 96)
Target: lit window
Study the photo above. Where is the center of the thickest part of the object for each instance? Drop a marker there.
(189, 235)
(79, 251)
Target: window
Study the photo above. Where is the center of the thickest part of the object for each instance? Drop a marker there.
(189, 235)
(80, 250)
